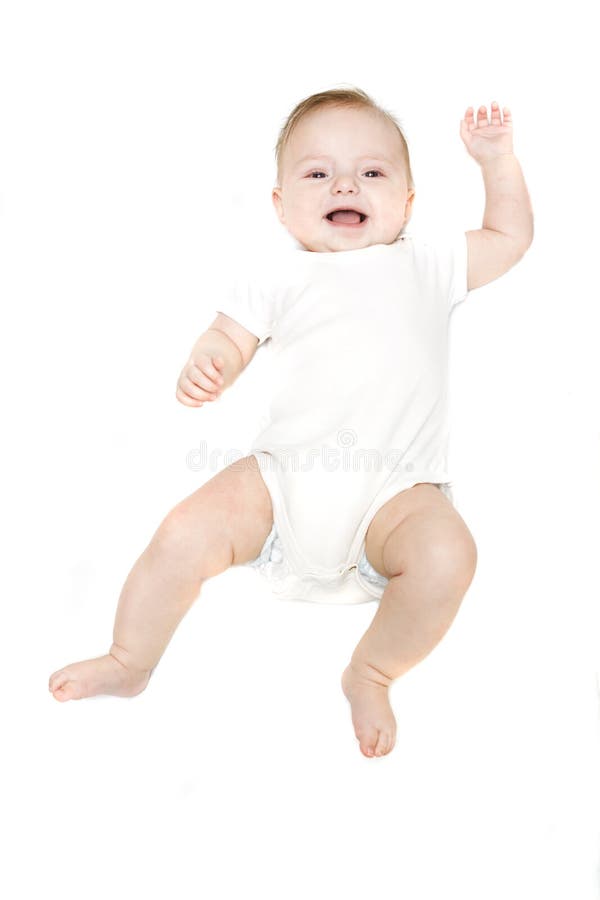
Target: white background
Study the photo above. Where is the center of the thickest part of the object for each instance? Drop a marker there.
(136, 154)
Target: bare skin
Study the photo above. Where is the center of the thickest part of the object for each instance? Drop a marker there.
(223, 523)
(420, 542)
(417, 539)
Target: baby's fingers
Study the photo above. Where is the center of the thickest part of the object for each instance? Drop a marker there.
(191, 389)
(200, 376)
(210, 365)
(185, 399)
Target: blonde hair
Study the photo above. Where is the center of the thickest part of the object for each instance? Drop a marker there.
(337, 97)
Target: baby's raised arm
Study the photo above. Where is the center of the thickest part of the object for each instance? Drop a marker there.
(216, 360)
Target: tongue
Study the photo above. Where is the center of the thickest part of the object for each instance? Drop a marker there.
(346, 215)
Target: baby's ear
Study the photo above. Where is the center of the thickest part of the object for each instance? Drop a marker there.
(408, 208)
(276, 198)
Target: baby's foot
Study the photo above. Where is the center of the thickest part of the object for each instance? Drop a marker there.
(103, 675)
(372, 716)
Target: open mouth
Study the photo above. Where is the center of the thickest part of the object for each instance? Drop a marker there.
(346, 217)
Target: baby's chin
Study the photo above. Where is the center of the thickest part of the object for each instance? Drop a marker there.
(352, 237)
(320, 247)
(342, 239)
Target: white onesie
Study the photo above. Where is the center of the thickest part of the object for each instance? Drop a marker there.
(359, 407)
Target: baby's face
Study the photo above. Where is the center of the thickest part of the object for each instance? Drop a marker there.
(349, 159)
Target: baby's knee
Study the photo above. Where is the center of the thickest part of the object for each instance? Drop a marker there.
(453, 557)
(439, 550)
(192, 536)
(176, 524)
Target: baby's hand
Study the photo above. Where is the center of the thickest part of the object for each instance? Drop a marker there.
(485, 139)
(200, 380)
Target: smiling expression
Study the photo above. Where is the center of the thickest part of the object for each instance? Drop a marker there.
(343, 158)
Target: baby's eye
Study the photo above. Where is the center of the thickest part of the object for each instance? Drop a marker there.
(374, 171)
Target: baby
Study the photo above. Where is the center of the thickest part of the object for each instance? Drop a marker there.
(357, 314)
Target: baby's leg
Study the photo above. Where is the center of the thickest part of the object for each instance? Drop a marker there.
(420, 542)
(224, 523)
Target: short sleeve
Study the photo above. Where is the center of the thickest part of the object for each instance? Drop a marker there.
(441, 261)
(248, 299)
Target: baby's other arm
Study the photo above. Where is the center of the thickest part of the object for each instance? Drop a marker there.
(216, 360)
(507, 229)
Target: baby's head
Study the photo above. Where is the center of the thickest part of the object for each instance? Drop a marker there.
(340, 150)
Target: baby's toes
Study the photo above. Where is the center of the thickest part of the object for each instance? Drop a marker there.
(384, 743)
(368, 741)
(62, 686)
(57, 679)
(67, 692)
